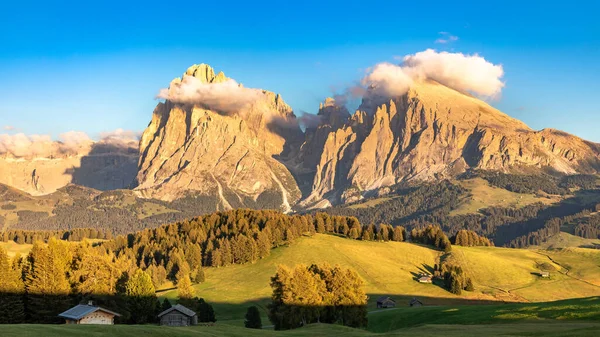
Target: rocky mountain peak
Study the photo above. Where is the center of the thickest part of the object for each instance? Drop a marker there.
(219, 145)
(205, 73)
(432, 132)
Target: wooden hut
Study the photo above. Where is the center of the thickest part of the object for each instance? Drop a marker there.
(385, 302)
(178, 315)
(415, 303)
(89, 314)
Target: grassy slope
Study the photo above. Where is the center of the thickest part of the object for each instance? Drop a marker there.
(12, 248)
(484, 195)
(566, 240)
(499, 274)
(587, 309)
(121, 199)
(481, 195)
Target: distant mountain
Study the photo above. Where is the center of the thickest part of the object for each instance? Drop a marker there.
(99, 165)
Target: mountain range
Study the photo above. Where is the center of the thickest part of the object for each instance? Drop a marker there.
(254, 152)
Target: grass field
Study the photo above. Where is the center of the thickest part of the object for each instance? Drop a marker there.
(483, 195)
(542, 329)
(12, 248)
(587, 309)
(566, 240)
(573, 318)
(389, 268)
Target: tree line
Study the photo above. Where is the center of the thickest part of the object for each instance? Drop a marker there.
(58, 275)
(29, 237)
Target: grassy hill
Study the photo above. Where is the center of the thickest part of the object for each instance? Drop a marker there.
(389, 268)
(483, 195)
(587, 309)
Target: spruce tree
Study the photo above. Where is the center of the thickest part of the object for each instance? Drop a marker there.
(165, 305)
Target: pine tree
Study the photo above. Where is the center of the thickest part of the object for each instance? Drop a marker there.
(252, 319)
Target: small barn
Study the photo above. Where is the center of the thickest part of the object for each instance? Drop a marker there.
(385, 302)
(425, 279)
(89, 314)
(178, 315)
(415, 303)
(544, 274)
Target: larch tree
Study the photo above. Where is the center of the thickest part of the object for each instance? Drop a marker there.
(141, 297)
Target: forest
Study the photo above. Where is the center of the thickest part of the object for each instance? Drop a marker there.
(123, 272)
(418, 206)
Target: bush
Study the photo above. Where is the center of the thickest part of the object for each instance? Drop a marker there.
(252, 318)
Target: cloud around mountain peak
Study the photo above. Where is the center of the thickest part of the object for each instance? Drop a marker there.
(462, 72)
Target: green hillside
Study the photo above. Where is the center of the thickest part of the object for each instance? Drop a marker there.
(389, 268)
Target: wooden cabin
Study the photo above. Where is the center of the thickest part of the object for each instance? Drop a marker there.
(385, 302)
(178, 315)
(415, 303)
(89, 314)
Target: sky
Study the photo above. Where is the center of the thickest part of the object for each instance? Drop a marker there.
(97, 66)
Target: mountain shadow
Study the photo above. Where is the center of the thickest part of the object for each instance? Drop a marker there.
(106, 167)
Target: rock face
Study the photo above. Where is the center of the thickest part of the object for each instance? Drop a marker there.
(95, 164)
(192, 149)
(433, 132)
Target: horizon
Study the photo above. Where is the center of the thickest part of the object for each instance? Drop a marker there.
(64, 67)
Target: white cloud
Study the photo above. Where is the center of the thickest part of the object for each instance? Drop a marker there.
(466, 73)
(120, 137)
(446, 37)
(9, 128)
(73, 139)
(227, 97)
(21, 145)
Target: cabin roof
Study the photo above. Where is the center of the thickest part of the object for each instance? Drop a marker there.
(180, 308)
(385, 298)
(414, 300)
(82, 310)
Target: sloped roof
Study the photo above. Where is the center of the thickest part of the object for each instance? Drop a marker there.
(179, 308)
(82, 310)
(414, 300)
(385, 298)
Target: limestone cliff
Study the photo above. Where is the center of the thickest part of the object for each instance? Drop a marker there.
(433, 132)
(193, 149)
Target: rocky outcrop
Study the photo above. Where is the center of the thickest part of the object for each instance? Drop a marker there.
(434, 132)
(192, 149)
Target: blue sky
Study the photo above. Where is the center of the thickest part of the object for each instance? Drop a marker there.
(97, 67)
